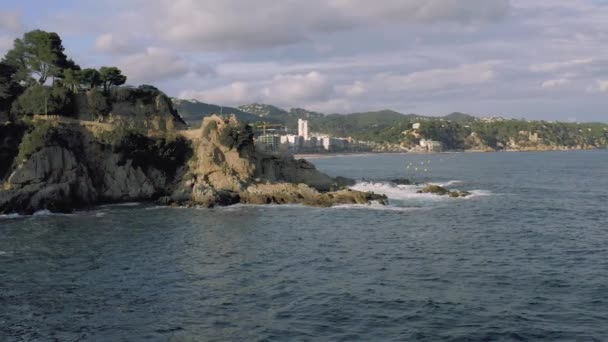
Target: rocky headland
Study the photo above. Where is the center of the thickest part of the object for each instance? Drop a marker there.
(62, 165)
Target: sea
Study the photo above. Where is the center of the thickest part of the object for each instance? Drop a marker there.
(524, 258)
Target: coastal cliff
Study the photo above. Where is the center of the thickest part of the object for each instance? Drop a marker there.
(64, 166)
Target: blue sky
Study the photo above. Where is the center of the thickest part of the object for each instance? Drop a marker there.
(539, 59)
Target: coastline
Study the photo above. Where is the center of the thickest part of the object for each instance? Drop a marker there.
(355, 154)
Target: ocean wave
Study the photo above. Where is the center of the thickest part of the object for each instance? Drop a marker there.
(10, 216)
(46, 212)
(410, 192)
(446, 184)
(374, 206)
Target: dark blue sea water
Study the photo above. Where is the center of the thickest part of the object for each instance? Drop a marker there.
(525, 258)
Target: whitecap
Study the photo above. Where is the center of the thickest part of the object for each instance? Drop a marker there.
(374, 206)
(408, 192)
(10, 216)
(46, 212)
(447, 184)
(127, 204)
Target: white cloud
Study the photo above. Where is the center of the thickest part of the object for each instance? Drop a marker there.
(554, 83)
(6, 43)
(556, 66)
(288, 90)
(433, 79)
(154, 64)
(236, 93)
(298, 87)
(601, 86)
(465, 11)
(237, 24)
(113, 44)
(355, 89)
(10, 21)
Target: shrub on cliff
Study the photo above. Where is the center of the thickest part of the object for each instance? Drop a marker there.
(10, 137)
(166, 154)
(40, 99)
(37, 138)
(236, 136)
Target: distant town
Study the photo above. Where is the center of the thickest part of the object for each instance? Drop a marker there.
(278, 139)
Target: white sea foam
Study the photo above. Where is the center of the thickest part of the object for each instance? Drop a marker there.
(46, 212)
(10, 216)
(127, 204)
(410, 192)
(374, 206)
(448, 183)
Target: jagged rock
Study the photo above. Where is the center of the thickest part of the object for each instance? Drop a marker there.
(74, 169)
(401, 181)
(441, 191)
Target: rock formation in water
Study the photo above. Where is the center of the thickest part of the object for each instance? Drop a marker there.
(441, 191)
(60, 167)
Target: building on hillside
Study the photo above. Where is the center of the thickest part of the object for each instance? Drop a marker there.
(303, 128)
(268, 142)
(431, 145)
(416, 125)
(292, 142)
(533, 137)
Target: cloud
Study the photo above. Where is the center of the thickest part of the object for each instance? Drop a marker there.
(6, 43)
(464, 11)
(114, 44)
(434, 79)
(557, 66)
(554, 83)
(600, 86)
(10, 21)
(355, 89)
(155, 64)
(237, 24)
(236, 93)
(297, 88)
(282, 89)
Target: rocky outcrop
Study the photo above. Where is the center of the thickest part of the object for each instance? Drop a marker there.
(10, 137)
(67, 168)
(227, 169)
(441, 191)
(73, 170)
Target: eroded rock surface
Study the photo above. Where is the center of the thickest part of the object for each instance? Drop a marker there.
(74, 169)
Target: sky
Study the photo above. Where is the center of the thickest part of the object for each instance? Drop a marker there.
(534, 59)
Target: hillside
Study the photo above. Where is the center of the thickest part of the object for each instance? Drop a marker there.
(194, 111)
(274, 114)
(456, 131)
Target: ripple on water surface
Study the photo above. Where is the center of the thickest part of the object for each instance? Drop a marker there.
(523, 265)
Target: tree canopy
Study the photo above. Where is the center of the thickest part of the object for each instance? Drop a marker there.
(90, 77)
(38, 56)
(9, 87)
(111, 76)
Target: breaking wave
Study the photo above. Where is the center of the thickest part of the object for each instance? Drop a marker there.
(410, 192)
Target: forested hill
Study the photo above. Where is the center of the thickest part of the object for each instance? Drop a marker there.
(456, 131)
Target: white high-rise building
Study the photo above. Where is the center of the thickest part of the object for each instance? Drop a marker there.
(303, 128)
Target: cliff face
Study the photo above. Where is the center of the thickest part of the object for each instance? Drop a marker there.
(142, 107)
(71, 169)
(227, 169)
(63, 167)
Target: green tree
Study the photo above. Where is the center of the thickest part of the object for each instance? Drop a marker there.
(38, 53)
(39, 99)
(90, 77)
(72, 79)
(9, 87)
(111, 76)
